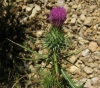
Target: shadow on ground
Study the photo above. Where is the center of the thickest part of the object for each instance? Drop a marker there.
(10, 28)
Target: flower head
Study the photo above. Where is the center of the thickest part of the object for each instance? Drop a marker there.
(57, 16)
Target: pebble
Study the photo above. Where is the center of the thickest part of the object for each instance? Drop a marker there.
(92, 65)
(92, 7)
(24, 7)
(19, 0)
(95, 27)
(79, 21)
(32, 68)
(83, 80)
(39, 33)
(44, 1)
(98, 41)
(85, 52)
(60, 3)
(72, 59)
(49, 66)
(88, 21)
(37, 8)
(23, 20)
(33, 13)
(73, 69)
(82, 17)
(88, 84)
(83, 11)
(88, 70)
(93, 46)
(73, 21)
(94, 80)
(94, 87)
(43, 64)
(31, 5)
(28, 9)
(74, 6)
(74, 16)
(45, 51)
(82, 41)
(98, 20)
(96, 55)
(79, 6)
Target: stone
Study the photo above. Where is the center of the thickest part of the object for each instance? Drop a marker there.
(82, 17)
(60, 3)
(79, 6)
(92, 7)
(83, 80)
(90, 59)
(94, 87)
(46, 70)
(88, 21)
(98, 41)
(39, 33)
(83, 11)
(82, 41)
(88, 84)
(28, 9)
(24, 1)
(94, 80)
(43, 64)
(73, 69)
(19, 0)
(64, 65)
(24, 7)
(34, 12)
(98, 20)
(32, 68)
(37, 8)
(31, 5)
(95, 27)
(79, 21)
(95, 69)
(92, 65)
(49, 5)
(96, 55)
(93, 46)
(74, 6)
(73, 21)
(72, 59)
(45, 2)
(45, 52)
(74, 16)
(40, 51)
(49, 66)
(88, 70)
(85, 52)
(23, 20)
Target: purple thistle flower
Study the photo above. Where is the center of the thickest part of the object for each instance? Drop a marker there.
(57, 16)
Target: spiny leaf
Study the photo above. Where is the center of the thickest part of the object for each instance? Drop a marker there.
(72, 84)
(34, 52)
(66, 76)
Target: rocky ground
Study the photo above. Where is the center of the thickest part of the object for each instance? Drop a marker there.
(82, 25)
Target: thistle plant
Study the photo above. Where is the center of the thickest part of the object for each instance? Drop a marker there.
(55, 41)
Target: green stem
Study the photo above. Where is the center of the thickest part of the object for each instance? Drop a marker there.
(56, 63)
